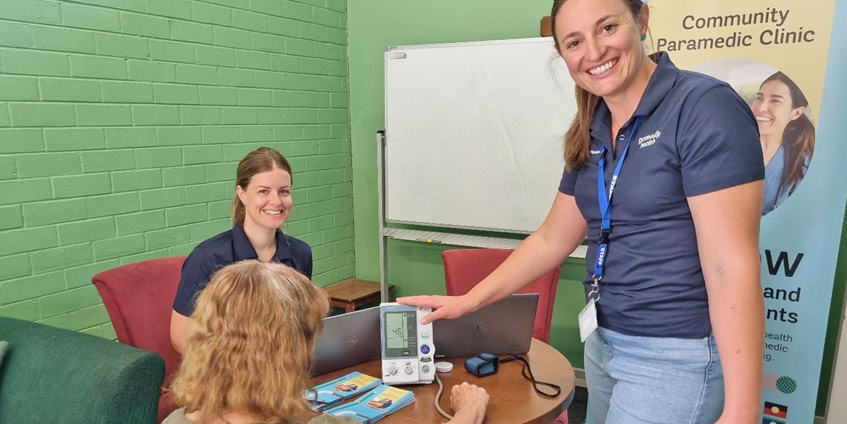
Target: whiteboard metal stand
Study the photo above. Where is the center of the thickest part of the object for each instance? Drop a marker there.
(380, 183)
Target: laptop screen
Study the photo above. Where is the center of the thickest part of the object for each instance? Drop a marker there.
(501, 328)
(346, 340)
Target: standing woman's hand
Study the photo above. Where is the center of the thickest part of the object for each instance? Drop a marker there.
(448, 307)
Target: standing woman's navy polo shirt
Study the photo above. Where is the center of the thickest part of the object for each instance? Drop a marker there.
(229, 247)
(697, 136)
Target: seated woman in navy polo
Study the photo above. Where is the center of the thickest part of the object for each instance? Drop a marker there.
(260, 206)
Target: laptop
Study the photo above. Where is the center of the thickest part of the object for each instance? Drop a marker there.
(501, 328)
(346, 340)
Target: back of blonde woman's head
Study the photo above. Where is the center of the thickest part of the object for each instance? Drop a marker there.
(249, 346)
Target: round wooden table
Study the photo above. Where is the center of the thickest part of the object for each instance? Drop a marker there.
(512, 397)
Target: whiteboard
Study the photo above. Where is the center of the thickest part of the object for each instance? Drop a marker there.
(474, 133)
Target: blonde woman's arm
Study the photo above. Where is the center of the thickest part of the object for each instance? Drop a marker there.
(469, 403)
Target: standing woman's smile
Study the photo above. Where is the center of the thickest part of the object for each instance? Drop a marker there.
(600, 42)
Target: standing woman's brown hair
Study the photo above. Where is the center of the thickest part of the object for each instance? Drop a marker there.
(260, 160)
(578, 137)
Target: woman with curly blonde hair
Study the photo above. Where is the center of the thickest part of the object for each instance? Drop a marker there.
(249, 349)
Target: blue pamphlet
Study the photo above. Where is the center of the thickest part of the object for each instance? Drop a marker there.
(335, 391)
(376, 405)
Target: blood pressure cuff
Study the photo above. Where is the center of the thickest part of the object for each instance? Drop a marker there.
(482, 364)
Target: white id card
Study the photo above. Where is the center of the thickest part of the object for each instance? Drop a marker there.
(587, 320)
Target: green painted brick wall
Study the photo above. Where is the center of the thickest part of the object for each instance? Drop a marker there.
(122, 121)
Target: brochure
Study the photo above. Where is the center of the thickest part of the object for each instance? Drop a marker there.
(376, 404)
(335, 391)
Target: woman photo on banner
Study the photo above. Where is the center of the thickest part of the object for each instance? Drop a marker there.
(664, 175)
(787, 135)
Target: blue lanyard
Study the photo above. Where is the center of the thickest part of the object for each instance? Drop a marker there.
(605, 203)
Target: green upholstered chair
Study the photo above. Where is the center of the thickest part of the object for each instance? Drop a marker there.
(51, 375)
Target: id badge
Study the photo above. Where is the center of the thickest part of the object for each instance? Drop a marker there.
(587, 320)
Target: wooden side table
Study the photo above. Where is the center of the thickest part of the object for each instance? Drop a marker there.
(352, 293)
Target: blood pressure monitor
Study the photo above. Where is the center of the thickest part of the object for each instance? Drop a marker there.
(407, 350)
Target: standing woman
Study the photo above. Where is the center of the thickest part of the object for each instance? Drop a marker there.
(262, 203)
(787, 136)
(673, 261)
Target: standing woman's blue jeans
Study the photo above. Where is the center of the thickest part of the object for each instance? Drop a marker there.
(634, 379)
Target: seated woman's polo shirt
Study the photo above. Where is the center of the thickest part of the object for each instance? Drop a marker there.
(227, 248)
(697, 136)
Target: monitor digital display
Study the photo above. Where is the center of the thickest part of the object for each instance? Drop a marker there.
(400, 334)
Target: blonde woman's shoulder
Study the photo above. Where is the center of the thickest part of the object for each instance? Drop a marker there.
(177, 417)
(331, 419)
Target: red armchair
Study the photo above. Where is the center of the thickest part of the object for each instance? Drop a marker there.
(464, 268)
(139, 299)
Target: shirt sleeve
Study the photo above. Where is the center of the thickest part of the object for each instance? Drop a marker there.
(718, 142)
(196, 272)
(568, 182)
(301, 252)
(307, 261)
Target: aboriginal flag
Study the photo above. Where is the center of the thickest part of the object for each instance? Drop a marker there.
(775, 410)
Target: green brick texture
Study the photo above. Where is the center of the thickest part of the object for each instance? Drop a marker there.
(121, 125)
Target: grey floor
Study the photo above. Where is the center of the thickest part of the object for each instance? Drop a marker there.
(576, 411)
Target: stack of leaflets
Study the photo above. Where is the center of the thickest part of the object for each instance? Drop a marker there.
(375, 405)
(332, 392)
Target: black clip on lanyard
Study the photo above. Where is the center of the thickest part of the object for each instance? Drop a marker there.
(605, 204)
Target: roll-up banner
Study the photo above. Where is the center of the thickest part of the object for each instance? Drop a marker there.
(788, 60)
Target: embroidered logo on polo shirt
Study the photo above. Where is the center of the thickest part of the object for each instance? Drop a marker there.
(594, 152)
(649, 139)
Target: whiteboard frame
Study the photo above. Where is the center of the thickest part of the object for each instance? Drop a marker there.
(386, 201)
(434, 237)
